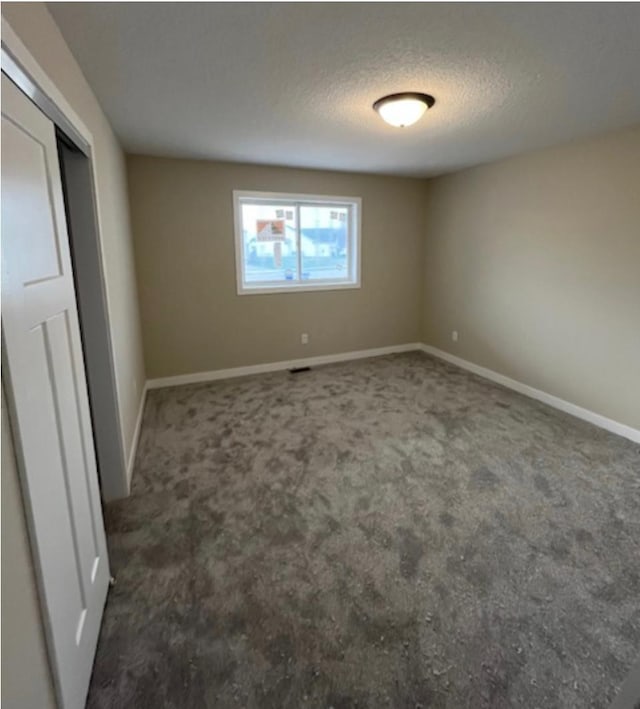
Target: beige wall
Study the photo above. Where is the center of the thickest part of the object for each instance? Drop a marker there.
(535, 261)
(35, 27)
(193, 320)
(26, 679)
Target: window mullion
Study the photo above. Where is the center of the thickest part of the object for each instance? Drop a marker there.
(299, 242)
(349, 242)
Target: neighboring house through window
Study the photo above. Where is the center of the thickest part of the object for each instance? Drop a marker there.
(296, 242)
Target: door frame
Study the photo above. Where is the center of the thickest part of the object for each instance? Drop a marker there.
(24, 71)
(83, 222)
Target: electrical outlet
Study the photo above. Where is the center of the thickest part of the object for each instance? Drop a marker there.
(454, 335)
(304, 338)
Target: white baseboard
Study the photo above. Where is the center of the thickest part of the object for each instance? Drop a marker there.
(216, 374)
(601, 421)
(608, 424)
(136, 436)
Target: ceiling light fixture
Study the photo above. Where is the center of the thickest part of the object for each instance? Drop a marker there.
(402, 110)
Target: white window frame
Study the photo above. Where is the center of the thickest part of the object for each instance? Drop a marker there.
(354, 206)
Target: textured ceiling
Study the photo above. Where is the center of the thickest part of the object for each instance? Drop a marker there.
(293, 83)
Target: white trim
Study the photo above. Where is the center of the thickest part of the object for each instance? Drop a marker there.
(22, 54)
(278, 366)
(136, 437)
(284, 288)
(354, 205)
(22, 79)
(20, 67)
(18, 50)
(608, 424)
(288, 197)
(620, 429)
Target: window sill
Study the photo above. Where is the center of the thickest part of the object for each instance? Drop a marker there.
(302, 288)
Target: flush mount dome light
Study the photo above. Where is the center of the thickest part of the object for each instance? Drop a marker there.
(403, 109)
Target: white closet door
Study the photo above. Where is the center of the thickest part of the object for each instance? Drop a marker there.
(48, 395)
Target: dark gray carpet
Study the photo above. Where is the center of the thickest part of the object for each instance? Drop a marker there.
(392, 532)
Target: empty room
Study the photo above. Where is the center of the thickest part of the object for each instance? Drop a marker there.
(320, 355)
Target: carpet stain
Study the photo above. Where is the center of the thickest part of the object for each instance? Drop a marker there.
(411, 550)
(484, 479)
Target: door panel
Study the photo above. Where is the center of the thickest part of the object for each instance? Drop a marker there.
(48, 395)
(28, 154)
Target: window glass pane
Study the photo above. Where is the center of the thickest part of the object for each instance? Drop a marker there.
(270, 244)
(276, 253)
(324, 242)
